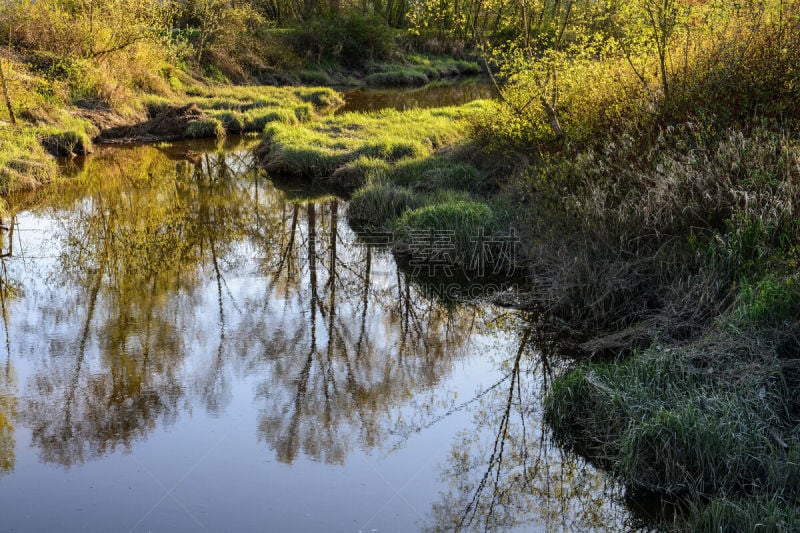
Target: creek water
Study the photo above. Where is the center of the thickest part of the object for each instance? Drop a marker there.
(454, 92)
(190, 345)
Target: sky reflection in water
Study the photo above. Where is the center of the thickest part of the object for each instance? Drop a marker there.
(189, 346)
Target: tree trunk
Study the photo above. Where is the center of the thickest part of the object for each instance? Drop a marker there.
(552, 118)
(6, 98)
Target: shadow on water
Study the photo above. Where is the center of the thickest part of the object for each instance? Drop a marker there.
(177, 287)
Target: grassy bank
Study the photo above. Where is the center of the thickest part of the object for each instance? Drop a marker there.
(395, 165)
(658, 209)
(61, 110)
(348, 147)
(73, 75)
(656, 205)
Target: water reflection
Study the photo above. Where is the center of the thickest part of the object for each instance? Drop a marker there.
(432, 95)
(9, 289)
(338, 332)
(160, 281)
(8, 408)
(507, 473)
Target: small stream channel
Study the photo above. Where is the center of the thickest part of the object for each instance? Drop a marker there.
(189, 345)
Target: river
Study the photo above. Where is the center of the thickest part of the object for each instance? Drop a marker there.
(191, 345)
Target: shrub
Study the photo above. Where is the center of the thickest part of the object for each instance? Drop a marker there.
(352, 40)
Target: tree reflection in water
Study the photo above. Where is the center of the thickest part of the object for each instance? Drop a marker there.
(179, 274)
(506, 473)
(339, 334)
(9, 290)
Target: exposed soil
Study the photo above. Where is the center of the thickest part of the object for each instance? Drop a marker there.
(167, 124)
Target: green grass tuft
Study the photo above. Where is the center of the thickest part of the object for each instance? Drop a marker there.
(206, 128)
(24, 164)
(358, 172)
(459, 220)
(378, 205)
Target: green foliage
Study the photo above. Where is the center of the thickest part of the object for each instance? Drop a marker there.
(315, 77)
(257, 120)
(352, 40)
(707, 445)
(678, 421)
(320, 97)
(67, 143)
(303, 112)
(87, 29)
(24, 164)
(652, 64)
(232, 122)
(772, 300)
(419, 70)
(251, 108)
(723, 514)
(357, 172)
(397, 78)
(225, 37)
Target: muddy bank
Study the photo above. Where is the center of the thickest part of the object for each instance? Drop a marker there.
(170, 123)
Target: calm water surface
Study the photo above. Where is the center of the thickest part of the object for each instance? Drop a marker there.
(445, 93)
(189, 347)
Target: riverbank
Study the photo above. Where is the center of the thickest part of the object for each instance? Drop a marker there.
(63, 106)
(661, 249)
(658, 232)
